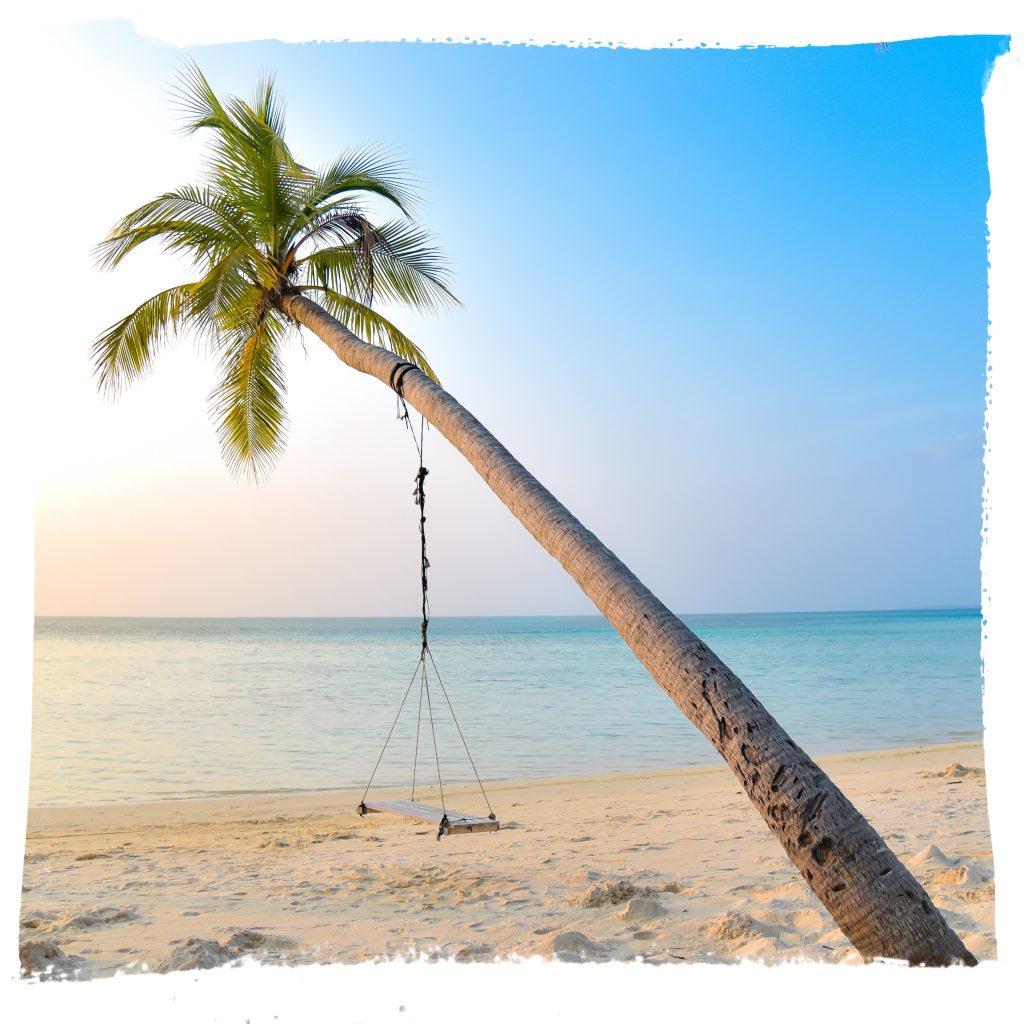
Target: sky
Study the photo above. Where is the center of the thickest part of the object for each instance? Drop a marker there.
(729, 306)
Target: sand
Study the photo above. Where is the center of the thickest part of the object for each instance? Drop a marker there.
(673, 867)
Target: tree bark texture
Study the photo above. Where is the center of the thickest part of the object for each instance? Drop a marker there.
(875, 900)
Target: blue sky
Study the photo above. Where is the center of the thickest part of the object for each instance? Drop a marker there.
(729, 306)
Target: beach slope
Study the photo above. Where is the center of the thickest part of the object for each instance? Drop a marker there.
(672, 867)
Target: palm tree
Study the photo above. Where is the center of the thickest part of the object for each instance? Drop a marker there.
(268, 236)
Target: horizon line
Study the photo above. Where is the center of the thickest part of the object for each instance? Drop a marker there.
(544, 615)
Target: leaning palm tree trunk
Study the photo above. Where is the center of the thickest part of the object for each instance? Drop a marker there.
(873, 898)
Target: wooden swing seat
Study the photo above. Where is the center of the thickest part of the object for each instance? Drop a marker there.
(448, 823)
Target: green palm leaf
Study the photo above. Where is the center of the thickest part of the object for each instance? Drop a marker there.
(366, 169)
(248, 403)
(124, 352)
(261, 226)
(189, 219)
(407, 268)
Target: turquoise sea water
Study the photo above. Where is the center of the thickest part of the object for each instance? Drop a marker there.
(145, 709)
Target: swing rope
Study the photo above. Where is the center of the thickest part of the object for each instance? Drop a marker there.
(416, 751)
(419, 496)
(390, 731)
(463, 738)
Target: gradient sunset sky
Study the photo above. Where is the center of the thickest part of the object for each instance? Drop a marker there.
(728, 305)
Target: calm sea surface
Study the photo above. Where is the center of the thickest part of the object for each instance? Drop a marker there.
(145, 709)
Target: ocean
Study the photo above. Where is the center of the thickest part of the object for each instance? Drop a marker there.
(131, 709)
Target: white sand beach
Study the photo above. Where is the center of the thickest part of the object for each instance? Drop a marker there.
(672, 867)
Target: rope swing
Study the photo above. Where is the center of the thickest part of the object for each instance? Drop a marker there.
(449, 822)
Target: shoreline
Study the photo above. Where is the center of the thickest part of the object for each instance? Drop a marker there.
(670, 866)
(495, 784)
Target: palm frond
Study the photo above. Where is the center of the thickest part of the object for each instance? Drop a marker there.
(124, 352)
(364, 169)
(192, 219)
(407, 267)
(333, 221)
(265, 107)
(354, 270)
(225, 298)
(248, 403)
(197, 100)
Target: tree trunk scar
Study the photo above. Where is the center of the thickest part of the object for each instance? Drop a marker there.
(822, 851)
(813, 807)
